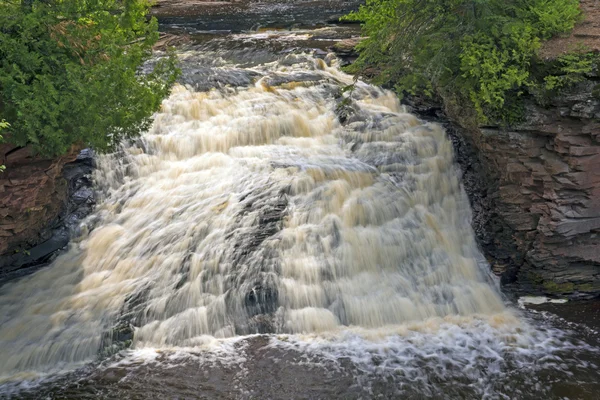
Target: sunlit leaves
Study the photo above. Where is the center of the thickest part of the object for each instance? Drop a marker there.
(69, 72)
(480, 49)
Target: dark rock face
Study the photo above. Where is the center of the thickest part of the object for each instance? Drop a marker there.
(535, 193)
(42, 202)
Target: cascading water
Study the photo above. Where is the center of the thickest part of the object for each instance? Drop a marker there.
(285, 206)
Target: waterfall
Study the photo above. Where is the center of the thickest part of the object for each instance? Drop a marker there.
(289, 205)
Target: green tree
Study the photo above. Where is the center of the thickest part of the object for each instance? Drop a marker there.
(70, 72)
(480, 50)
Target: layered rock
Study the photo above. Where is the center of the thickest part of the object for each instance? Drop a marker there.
(536, 192)
(41, 199)
(32, 192)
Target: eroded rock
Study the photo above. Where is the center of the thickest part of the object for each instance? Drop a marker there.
(42, 202)
(537, 200)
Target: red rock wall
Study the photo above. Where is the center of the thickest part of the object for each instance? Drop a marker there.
(32, 193)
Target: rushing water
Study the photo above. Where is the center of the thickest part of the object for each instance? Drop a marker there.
(268, 199)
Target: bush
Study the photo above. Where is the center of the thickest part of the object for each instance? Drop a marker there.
(482, 50)
(69, 72)
(570, 70)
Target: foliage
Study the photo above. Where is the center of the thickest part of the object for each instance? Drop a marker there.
(480, 49)
(572, 69)
(70, 72)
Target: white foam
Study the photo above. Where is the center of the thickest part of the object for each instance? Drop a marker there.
(427, 357)
(537, 300)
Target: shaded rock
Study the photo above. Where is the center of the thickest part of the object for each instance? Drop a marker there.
(33, 191)
(346, 49)
(168, 40)
(535, 192)
(42, 204)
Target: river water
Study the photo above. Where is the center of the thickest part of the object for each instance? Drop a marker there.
(278, 235)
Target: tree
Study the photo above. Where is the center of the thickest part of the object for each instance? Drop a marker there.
(70, 72)
(480, 50)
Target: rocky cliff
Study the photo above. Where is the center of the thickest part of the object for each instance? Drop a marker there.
(535, 190)
(40, 200)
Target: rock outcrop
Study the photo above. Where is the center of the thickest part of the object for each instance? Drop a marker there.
(32, 193)
(535, 191)
(346, 49)
(585, 35)
(41, 200)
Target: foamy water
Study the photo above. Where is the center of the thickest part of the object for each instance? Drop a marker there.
(254, 209)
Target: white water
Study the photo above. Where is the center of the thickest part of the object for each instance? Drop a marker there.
(253, 209)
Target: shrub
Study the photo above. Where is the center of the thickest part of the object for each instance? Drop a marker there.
(571, 70)
(480, 49)
(69, 72)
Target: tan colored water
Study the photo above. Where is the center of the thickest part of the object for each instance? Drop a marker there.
(254, 209)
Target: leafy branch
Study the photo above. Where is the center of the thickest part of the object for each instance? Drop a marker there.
(70, 72)
(480, 50)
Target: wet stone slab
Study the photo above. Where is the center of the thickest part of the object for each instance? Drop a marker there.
(237, 16)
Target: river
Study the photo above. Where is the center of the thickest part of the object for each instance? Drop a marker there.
(277, 234)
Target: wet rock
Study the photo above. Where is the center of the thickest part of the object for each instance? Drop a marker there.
(347, 47)
(253, 296)
(307, 77)
(117, 339)
(168, 40)
(261, 300)
(346, 50)
(84, 194)
(203, 78)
